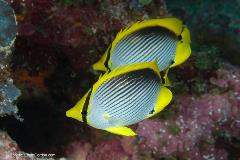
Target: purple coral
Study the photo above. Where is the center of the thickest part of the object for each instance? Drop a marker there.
(108, 150)
(197, 119)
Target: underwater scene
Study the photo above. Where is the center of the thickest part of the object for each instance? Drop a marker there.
(119, 80)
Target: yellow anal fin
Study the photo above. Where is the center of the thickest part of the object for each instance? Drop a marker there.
(99, 65)
(164, 99)
(123, 131)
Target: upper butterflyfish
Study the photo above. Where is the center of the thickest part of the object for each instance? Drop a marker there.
(165, 40)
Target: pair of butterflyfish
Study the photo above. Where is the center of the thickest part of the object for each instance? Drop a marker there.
(132, 88)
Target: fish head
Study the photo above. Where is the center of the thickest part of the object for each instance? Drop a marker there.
(77, 111)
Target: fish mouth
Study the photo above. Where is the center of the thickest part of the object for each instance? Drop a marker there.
(68, 113)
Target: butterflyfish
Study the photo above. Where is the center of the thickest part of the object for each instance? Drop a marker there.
(122, 97)
(165, 40)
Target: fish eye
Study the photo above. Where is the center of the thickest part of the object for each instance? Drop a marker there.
(152, 111)
(180, 37)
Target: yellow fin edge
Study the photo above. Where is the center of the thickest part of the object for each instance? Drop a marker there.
(125, 69)
(173, 24)
(183, 50)
(123, 131)
(99, 65)
(164, 99)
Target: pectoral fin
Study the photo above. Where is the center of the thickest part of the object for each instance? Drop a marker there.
(123, 131)
(166, 80)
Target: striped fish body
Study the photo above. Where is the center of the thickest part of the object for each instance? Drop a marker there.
(166, 41)
(8, 25)
(122, 97)
(146, 45)
(125, 99)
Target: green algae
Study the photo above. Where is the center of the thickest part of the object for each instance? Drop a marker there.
(145, 2)
(166, 114)
(174, 129)
(206, 57)
(211, 22)
(77, 2)
(199, 86)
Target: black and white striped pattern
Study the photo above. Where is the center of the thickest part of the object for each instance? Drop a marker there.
(127, 99)
(146, 45)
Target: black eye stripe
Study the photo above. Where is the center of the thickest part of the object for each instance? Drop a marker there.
(107, 59)
(180, 36)
(85, 108)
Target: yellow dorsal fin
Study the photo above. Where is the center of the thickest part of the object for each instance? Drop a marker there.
(173, 24)
(123, 131)
(164, 99)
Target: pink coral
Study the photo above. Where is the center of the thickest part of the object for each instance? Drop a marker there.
(111, 149)
(227, 79)
(78, 150)
(9, 149)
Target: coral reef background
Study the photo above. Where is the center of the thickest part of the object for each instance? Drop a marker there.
(56, 45)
